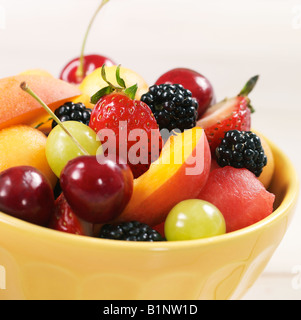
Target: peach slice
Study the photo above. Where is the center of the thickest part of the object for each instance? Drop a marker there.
(17, 107)
(179, 174)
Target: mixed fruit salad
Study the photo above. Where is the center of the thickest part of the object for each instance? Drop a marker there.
(98, 152)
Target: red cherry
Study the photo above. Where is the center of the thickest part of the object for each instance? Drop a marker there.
(97, 192)
(198, 84)
(26, 194)
(77, 69)
(91, 62)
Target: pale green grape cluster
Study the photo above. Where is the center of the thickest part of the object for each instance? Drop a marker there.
(60, 148)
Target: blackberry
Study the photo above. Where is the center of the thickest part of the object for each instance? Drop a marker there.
(130, 231)
(73, 112)
(172, 105)
(241, 149)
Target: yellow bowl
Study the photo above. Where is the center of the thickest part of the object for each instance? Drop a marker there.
(38, 263)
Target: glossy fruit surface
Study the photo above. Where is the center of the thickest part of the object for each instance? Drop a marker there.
(73, 112)
(60, 148)
(229, 114)
(97, 190)
(91, 63)
(26, 194)
(242, 149)
(199, 85)
(179, 174)
(173, 106)
(239, 195)
(85, 268)
(130, 231)
(124, 116)
(194, 219)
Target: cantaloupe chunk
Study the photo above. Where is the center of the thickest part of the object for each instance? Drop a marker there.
(22, 145)
(18, 107)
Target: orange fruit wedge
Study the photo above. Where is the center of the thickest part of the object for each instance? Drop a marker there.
(18, 107)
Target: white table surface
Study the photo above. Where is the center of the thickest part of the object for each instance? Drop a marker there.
(228, 41)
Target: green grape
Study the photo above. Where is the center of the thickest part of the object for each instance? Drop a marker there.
(60, 148)
(194, 219)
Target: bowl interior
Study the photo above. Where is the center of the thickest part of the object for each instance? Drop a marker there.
(284, 185)
(47, 264)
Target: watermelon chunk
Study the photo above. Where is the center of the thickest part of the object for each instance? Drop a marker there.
(239, 195)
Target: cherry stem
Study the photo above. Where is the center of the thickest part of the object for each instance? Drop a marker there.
(27, 89)
(80, 70)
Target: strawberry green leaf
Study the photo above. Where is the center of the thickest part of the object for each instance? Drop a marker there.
(102, 92)
(104, 76)
(120, 81)
(131, 91)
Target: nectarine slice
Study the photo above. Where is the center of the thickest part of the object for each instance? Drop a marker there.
(17, 107)
(179, 174)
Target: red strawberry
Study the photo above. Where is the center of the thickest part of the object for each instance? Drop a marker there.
(229, 114)
(65, 220)
(119, 111)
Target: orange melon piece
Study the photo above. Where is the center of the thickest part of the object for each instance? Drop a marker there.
(18, 107)
(22, 145)
(268, 171)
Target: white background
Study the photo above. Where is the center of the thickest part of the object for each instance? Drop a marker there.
(226, 40)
